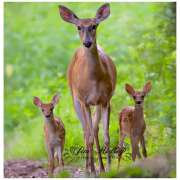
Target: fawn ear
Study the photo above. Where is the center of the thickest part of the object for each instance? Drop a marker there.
(103, 12)
(37, 101)
(129, 89)
(147, 87)
(55, 99)
(67, 15)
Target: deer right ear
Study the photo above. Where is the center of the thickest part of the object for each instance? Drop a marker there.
(55, 99)
(129, 89)
(67, 15)
(37, 101)
(147, 87)
(103, 12)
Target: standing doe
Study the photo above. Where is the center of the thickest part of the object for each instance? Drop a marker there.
(54, 132)
(131, 122)
(92, 79)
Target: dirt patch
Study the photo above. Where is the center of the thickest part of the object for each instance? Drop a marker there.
(34, 169)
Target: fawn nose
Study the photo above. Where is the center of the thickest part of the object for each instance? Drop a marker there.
(87, 44)
(138, 102)
(48, 116)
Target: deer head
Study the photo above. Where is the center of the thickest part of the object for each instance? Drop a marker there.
(86, 27)
(138, 96)
(47, 109)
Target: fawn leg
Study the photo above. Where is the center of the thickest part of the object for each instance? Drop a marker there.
(120, 148)
(134, 144)
(96, 120)
(144, 152)
(51, 160)
(105, 118)
(138, 153)
(59, 152)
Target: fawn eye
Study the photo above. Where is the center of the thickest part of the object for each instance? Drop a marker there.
(42, 110)
(93, 27)
(79, 28)
(134, 97)
(142, 96)
(51, 109)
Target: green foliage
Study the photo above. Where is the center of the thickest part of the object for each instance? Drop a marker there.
(129, 172)
(63, 174)
(140, 38)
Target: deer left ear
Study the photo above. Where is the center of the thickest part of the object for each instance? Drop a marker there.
(55, 99)
(103, 12)
(147, 87)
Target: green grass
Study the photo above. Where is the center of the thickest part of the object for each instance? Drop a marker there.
(140, 38)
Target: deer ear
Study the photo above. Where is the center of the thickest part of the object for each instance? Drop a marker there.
(147, 87)
(37, 101)
(130, 90)
(103, 12)
(55, 99)
(67, 15)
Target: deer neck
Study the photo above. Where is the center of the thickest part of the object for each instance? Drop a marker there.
(92, 60)
(139, 113)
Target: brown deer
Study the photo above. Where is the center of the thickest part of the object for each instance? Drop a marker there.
(92, 79)
(54, 132)
(131, 122)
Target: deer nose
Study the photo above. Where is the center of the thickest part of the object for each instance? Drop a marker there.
(138, 102)
(48, 116)
(87, 44)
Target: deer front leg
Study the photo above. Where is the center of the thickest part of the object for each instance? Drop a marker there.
(135, 148)
(50, 161)
(90, 136)
(105, 118)
(97, 117)
(81, 115)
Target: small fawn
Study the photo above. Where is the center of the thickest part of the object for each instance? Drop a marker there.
(131, 122)
(54, 132)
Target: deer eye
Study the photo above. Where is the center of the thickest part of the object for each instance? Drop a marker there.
(51, 109)
(142, 96)
(134, 97)
(42, 110)
(79, 28)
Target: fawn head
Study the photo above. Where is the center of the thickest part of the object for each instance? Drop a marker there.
(86, 27)
(138, 96)
(47, 109)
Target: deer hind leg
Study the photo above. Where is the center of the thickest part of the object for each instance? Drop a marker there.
(138, 153)
(120, 148)
(144, 152)
(97, 117)
(60, 158)
(105, 118)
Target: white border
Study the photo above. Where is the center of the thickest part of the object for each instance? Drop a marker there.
(1, 89)
(2, 70)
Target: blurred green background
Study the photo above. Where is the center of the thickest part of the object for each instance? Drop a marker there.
(140, 38)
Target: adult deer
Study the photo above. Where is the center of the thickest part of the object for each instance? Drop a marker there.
(131, 122)
(92, 79)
